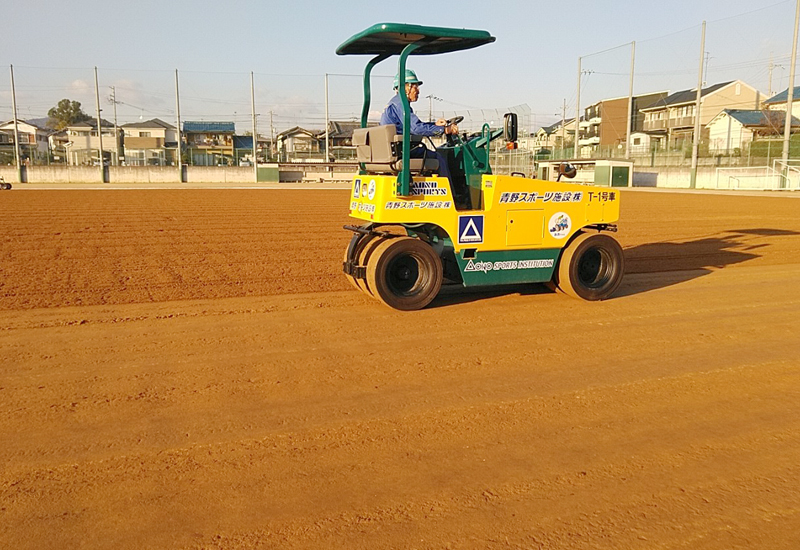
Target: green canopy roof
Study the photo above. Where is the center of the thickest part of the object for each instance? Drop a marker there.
(391, 38)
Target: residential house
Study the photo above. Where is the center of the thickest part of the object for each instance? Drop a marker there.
(549, 138)
(553, 136)
(299, 143)
(733, 129)
(641, 143)
(33, 143)
(83, 146)
(243, 150)
(150, 143)
(605, 126)
(266, 151)
(57, 141)
(670, 121)
(340, 137)
(778, 101)
(209, 143)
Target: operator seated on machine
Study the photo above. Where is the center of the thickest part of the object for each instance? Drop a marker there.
(393, 114)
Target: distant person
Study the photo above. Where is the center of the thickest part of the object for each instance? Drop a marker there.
(393, 114)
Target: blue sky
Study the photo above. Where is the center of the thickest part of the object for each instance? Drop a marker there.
(290, 46)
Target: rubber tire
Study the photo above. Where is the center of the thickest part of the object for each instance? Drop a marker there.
(347, 275)
(363, 259)
(404, 273)
(591, 267)
(365, 248)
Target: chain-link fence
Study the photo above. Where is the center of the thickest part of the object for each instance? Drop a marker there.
(141, 113)
(761, 152)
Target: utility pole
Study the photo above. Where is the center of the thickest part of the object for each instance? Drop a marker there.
(430, 105)
(708, 58)
(630, 105)
(787, 125)
(771, 66)
(178, 160)
(327, 123)
(99, 128)
(116, 136)
(578, 111)
(271, 137)
(563, 126)
(255, 128)
(16, 128)
(696, 140)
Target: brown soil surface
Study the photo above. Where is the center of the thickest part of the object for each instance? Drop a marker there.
(190, 369)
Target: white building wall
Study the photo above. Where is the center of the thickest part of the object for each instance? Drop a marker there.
(782, 107)
(81, 143)
(640, 143)
(726, 133)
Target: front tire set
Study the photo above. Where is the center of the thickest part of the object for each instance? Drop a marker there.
(590, 267)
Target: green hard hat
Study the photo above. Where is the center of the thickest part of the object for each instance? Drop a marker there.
(411, 78)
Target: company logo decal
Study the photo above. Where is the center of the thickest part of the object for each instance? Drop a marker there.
(507, 265)
(357, 189)
(549, 196)
(427, 188)
(470, 229)
(422, 205)
(559, 225)
(371, 192)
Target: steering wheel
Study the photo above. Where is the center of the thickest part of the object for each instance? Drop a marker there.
(453, 139)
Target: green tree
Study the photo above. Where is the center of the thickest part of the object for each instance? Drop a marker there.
(65, 113)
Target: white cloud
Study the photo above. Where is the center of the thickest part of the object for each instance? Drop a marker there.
(79, 87)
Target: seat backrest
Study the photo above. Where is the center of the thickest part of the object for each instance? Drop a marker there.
(377, 148)
(374, 145)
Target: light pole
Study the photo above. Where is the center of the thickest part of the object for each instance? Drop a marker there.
(787, 126)
(113, 100)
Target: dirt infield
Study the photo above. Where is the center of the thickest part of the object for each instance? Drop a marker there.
(190, 369)
(118, 247)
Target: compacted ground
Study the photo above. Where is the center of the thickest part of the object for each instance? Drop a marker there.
(190, 369)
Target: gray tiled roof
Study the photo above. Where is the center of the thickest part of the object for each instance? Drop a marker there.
(152, 123)
(91, 123)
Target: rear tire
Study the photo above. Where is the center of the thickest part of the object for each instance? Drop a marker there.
(404, 273)
(591, 267)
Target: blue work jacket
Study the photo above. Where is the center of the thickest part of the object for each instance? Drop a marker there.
(393, 114)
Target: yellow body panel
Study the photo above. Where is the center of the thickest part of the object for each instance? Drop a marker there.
(513, 213)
